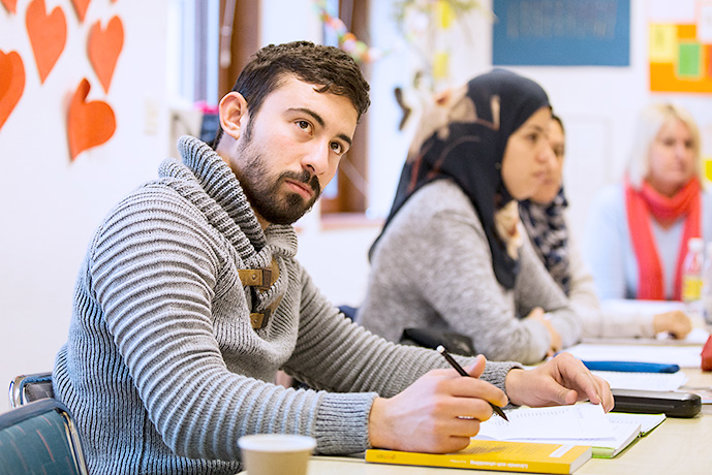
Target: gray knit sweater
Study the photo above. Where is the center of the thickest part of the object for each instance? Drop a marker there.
(162, 369)
(432, 267)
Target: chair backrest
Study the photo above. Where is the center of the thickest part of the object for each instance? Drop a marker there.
(40, 438)
(30, 387)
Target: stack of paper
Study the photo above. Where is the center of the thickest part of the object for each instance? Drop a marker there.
(581, 424)
(645, 381)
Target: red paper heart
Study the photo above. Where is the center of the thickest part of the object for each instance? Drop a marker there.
(12, 83)
(48, 35)
(81, 7)
(11, 5)
(104, 49)
(88, 123)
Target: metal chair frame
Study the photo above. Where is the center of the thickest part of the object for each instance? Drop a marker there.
(25, 388)
(40, 409)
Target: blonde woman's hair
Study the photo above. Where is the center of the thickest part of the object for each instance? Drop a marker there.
(650, 122)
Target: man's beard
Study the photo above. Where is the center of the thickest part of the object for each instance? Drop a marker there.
(265, 197)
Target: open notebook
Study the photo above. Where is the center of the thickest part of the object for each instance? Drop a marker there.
(581, 424)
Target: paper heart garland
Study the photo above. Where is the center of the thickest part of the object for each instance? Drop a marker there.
(12, 83)
(48, 35)
(88, 123)
(81, 7)
(104, 49)
(10, 5)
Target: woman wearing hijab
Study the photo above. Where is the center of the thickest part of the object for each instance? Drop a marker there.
(452, 255)
(544, 218)
(543, 214)
(637, 231)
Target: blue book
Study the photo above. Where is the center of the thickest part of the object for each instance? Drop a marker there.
(631, 366)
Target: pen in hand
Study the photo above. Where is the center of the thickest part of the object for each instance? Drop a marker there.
(441, 349)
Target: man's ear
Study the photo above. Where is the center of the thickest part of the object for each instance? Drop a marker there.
(233, 112)
(443, 97)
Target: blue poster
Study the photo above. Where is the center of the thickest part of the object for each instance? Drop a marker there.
(561, 32)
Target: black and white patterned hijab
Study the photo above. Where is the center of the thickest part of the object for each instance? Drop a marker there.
(546, 227)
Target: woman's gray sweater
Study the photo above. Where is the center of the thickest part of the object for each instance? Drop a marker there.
(432, 268)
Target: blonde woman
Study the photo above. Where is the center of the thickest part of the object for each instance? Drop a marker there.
(637, 233)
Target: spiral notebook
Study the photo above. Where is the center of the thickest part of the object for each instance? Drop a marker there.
(580, 424)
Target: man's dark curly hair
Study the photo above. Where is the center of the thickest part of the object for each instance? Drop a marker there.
(326, 66)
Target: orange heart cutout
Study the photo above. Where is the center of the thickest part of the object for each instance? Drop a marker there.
(48, 35)
(81, 7)
(88, 123)
(11, 5)
(12, 83)
(104, 49)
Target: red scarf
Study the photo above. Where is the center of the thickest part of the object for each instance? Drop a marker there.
(645, 203)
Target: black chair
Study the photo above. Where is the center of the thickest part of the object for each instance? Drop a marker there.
(40, 438)
(427, 337)
(30, 387)
(453, 342)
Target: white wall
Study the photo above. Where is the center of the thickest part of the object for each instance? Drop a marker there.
(50, 207)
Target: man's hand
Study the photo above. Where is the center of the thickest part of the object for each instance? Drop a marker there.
(438, 413)
(561, 380)
(676, 323)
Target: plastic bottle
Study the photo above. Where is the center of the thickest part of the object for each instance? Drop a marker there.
(707, 284)
(692, 272)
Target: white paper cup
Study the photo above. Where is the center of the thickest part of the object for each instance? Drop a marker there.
(276, 454)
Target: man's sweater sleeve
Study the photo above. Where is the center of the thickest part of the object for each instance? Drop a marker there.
(340, 356)
(153, 274)
(154, 277)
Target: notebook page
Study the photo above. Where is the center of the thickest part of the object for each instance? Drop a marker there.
(623, 428)
(623, 434)
(560, 422)
(647, 422)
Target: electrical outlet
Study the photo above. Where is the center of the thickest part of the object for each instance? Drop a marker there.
(150, 116)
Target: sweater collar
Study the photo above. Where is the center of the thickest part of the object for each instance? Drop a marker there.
(216, 179)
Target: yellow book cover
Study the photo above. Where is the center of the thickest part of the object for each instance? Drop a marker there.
(495, 455)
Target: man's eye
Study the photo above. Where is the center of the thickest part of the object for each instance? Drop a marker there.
(337, 148)
(303, 124)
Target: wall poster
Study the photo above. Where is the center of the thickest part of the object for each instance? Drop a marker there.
(561, 33)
